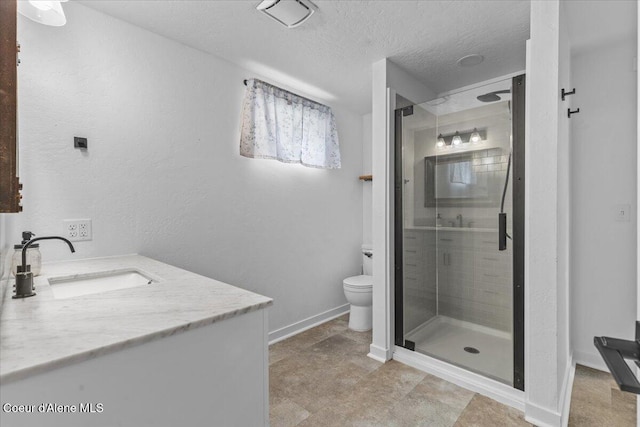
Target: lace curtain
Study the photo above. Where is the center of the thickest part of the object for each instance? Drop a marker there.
(281, 125)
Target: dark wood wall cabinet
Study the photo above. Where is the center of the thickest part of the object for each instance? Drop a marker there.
(9, 185)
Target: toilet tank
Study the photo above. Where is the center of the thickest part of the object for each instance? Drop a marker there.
(367, 260)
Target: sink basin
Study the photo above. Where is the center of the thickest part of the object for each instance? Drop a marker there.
(94, 283)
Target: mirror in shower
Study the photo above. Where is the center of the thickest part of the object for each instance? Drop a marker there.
(463, 179)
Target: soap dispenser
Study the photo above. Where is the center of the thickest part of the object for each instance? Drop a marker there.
(439, 221)
(34, 257)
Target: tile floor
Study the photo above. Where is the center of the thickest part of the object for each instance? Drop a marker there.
(323, 377)
(596, 400)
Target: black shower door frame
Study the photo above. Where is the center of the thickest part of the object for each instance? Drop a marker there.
(518, 85)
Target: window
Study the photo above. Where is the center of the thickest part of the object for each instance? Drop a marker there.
(277, 124)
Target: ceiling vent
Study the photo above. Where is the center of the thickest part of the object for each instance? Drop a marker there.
(290, 13)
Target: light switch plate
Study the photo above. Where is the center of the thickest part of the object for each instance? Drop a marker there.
(622, 213)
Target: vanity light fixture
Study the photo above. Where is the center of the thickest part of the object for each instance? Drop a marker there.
(47, 12)
(457, 140)
(475, 136)
(290, 13)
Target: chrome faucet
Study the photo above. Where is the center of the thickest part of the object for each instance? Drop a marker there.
(459, 218)
(24, 276)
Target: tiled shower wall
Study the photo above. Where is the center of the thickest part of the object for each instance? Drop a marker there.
(458, 274)
(493, 160)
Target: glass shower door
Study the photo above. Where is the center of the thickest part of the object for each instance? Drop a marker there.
(454, 211)
(419, 252)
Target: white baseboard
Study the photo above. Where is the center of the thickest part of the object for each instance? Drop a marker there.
(590, 360)
(378, 353)
(480, 384)
(308, 323)
(567, 388)
(542, 417)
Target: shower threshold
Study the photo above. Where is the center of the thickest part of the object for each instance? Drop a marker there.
(474, 347)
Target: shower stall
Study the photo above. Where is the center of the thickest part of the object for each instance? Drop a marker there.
(459, 229)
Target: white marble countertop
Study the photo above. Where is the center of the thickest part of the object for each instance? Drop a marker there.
(462, 229)
(40, 333)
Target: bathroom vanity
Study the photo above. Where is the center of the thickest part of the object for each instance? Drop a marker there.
(173, 349)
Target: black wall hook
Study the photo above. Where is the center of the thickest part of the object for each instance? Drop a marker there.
(573, 92)
(569, 112)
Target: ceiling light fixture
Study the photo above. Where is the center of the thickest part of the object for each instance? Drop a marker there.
(437, 101)
(290, 13)
(470, 60)
(47, 12)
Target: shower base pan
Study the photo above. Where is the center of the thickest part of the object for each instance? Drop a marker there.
(474, 347)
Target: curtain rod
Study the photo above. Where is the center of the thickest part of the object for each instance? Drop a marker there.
(245, 81)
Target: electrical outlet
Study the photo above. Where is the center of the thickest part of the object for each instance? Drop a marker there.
(77, 230)
(622, 213)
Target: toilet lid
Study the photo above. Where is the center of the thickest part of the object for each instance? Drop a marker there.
(362, 281)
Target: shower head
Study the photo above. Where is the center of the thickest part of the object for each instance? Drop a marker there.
(492, 96)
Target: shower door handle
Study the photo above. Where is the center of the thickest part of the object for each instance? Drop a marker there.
(502, 231)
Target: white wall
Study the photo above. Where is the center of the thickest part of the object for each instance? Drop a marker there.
(163, 177)
(382, 219)
(543, 376)
(604, 172)
(367, 187)
(564, 209)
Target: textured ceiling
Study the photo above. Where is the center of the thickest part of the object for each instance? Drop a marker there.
(330, 56)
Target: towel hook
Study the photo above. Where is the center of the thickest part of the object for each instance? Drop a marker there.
(564, 93)
(569, 112)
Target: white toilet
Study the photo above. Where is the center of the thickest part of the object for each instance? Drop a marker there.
(358, 290)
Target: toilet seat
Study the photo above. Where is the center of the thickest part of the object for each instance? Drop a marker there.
(360, 283)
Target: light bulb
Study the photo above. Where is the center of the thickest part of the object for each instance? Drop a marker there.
(456, 139)
(440, 142)
(475, 136)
